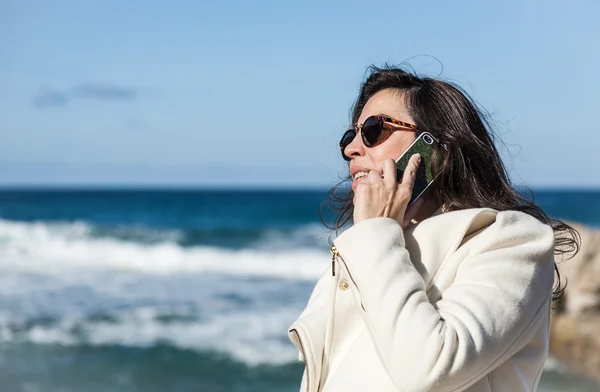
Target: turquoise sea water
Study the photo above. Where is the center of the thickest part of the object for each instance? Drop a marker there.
(123, 290)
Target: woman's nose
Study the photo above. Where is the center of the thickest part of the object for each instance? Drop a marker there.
(356, 148)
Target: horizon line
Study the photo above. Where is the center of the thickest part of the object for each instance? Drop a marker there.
(234, 187)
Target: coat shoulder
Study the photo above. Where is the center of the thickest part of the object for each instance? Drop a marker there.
(514, 223)
(518, 229)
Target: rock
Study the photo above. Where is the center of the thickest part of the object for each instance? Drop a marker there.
(575, 329)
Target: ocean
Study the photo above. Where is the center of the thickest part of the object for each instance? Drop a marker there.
(172, 290)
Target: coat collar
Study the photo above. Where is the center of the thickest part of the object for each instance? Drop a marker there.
(431, 241)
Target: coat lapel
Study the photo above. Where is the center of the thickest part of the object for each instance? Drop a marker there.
(309, 330)
(432, 241)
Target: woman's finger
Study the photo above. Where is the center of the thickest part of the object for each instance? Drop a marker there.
(408, 178)
(389, 173)
(374, 177)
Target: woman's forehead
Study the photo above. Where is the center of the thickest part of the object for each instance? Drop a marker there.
(386, 102)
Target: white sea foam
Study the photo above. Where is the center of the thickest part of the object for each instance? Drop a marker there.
(65, 249)
(253, 338)
(55, 278)
(299, 237)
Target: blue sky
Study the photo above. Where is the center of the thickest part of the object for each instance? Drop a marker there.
(257, 93)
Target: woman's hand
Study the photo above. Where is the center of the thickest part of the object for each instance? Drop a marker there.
(385, 197)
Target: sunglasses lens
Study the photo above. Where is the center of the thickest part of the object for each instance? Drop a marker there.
(371, 131)
(346, 140)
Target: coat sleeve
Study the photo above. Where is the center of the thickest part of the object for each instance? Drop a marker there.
(495, 304)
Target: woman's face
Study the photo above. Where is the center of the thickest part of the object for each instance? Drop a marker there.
(364, 159)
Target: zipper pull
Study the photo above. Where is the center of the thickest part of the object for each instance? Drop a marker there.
(334, 254)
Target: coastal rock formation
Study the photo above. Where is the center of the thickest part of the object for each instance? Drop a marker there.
(575, 333)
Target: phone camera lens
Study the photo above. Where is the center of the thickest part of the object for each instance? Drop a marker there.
(428, 139)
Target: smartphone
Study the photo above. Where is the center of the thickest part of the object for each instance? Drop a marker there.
(426, 145)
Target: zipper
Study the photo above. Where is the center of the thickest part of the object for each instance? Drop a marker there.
(334, 254)
(304, 356)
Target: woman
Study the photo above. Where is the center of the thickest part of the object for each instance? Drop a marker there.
(452, 294)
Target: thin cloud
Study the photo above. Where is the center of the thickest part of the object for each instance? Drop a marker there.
(50, 98)
(106, 92)
(91, 91)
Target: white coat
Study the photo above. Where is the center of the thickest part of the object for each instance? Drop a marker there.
(458, 302)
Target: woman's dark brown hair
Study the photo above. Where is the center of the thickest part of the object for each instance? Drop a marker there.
(471, 174)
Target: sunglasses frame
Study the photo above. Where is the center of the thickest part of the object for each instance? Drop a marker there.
(400, 126)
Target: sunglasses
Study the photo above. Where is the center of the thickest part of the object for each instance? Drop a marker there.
(374, 131)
